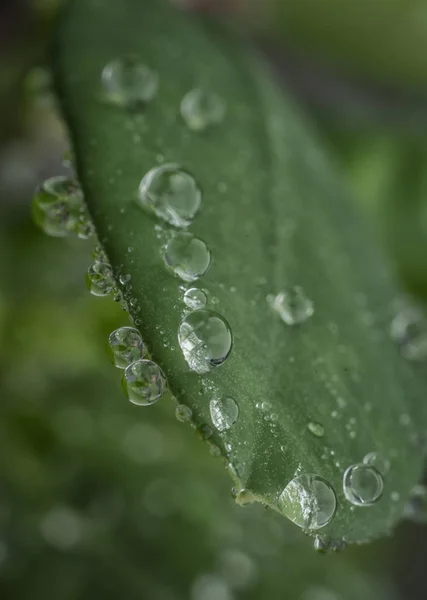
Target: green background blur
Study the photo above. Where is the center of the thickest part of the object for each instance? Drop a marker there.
(100, 498)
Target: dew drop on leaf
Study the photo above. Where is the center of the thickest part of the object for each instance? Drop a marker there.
(183, 413)
(379, 461)
(201, 109)
(416, 509)
(224, 412)
(205, 339)
(195, 298)
(409, 330)
(187, 256)
(316, 429)
(58, 206)
(362, 484)
(143, 382)
(292, 305)
(125, 346)
(171, 193)
(129, 82)
(99, 279)
(308, 501)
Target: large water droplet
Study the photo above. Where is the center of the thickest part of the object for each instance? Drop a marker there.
(292, 305)
(416, 508)
(224, 412)
(205, 339)
(99, 279)
(171, 193)
(308, 501)
(58, 206)
(201, 109)
(379, 461)
(362, 484)
(125, 346)
(409, 330)
(195, 298)
(183, 413)
(128, 82)
(144, 382)
(188, 256)
(316, 429)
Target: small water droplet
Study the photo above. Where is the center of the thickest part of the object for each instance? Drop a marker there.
(188, 256)
(362, 484)
(171, 193)
(201, 109)
(143, 382)
(409, 330)
(206, 340)
(125, 279)
(316, 429)
(292, 305)
(377, 460)
(266, 405)
(99, 279)
(128, 82)
(416, 508)
(204, 432)
(58, 208)
(308, 501)
(125, 346)
(183, 413)
(224, 412)
(195, 298)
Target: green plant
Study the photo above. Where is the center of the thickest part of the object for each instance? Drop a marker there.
(315, 397)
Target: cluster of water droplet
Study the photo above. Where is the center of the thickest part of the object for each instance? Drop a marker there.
(59, 209)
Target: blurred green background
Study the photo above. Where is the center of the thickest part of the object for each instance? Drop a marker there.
(100, 498)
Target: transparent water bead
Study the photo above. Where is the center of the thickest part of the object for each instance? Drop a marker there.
(409, 330)
(316, 429)
(125, 346)
(416, 508)
(308, 501)
(144, 382)
(171, 193)
(206, 340)
(292, 305)
(362, 485)
(224, 412)
(201, 109)
(379, 461)
(99, 279)
(187, 256)
(129, 82)
(195, 298)
(183, 413)
(58, 206)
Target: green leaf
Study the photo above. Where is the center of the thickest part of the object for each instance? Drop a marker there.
(274, 215)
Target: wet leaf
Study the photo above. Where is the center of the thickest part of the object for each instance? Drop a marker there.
(274, 216)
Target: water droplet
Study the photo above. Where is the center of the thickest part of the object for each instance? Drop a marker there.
(362, 484)
(316, 429)
(125, 279)
(188, 256)
(224, 412)
(125, 346)
(328, 545)
(183, 413)
(409, 330)
(58, 206)
(201, 109)
(144, 382)
(99, 279)
(416, 508)
(377, 460)
(204, 432)
(308, 501)
(171, 193)
(205, 339)
(195, 298)
(292, 305)
(128, 82)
